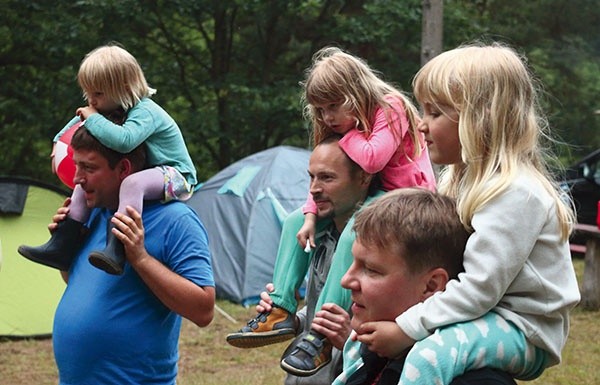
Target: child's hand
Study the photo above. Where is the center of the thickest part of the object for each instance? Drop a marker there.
(85, 112)
(384, 338)
(306, 235)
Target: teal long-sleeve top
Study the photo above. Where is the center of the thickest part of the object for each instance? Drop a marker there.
(146, 122)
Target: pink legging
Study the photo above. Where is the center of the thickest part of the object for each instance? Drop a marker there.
(147, 184)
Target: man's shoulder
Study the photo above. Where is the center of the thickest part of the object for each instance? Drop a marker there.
(172, 218)
(172, 211)
(372, 197)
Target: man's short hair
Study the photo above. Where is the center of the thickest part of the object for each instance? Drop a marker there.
(375, 184)
(84, 141)
(418, 225)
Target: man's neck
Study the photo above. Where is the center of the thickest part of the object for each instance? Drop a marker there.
(341, 221)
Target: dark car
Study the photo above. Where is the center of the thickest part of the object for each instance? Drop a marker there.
(582, 180)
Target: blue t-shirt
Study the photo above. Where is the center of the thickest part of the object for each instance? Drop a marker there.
(111, 329)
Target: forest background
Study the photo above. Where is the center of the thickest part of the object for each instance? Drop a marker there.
(228, 71)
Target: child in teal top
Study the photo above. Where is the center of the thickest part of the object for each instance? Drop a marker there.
(113, 84)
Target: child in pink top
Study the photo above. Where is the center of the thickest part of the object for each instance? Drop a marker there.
(384, 145)
(343, 96)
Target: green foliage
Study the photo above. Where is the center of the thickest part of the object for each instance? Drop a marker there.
(229, 71)
(560, 40)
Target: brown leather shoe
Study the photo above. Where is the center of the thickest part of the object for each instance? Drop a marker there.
(266, 328)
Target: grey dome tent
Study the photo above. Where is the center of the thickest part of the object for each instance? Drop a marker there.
(243, 208)
(29, 292)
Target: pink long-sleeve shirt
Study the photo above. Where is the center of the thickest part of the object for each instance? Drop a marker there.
(386, 153)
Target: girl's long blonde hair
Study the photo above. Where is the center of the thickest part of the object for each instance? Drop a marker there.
(338, 77)
(114, 71)
(500, 125)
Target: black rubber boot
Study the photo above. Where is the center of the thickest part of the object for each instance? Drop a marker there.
(112, 258)
(60, 250)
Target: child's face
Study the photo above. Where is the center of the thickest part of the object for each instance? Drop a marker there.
(440, 127)
(336, 116)
(101, 102)
(381, 284)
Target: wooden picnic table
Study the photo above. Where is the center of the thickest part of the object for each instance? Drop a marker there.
(590, 293)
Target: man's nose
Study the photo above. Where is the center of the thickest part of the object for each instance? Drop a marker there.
(315, 187)
(348, 279)
(78, 178)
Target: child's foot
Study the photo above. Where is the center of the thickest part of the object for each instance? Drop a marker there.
(60, 250)
(112, 258)
(309, 356)
(266, 328)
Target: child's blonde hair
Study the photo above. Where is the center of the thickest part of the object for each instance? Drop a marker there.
(338, 77)
(499, 124)
(114, 71)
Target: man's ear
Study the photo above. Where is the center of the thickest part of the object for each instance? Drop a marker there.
(125, 168)
(365, 178)
(435, 280)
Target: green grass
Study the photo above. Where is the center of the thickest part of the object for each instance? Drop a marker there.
(206, 358)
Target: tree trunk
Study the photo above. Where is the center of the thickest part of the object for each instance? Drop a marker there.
(432, 34)
(432, 29)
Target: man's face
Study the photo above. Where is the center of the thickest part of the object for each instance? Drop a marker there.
(336, 190)
(99, 182)
(381, 284)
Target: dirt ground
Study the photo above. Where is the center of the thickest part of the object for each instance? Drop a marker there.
(205, 357)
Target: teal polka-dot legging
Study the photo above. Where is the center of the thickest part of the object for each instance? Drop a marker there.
(489, 341)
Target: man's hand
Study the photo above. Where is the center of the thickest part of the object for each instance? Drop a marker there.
(130, 231)
(334, 323)
(61, 215)
(384, 338)
(266, 303)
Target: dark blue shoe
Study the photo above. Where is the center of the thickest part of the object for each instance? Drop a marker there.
(309, 356)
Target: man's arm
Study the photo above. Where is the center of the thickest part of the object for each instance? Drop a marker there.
(176, 292)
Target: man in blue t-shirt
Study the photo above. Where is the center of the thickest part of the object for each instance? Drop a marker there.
(124, 329)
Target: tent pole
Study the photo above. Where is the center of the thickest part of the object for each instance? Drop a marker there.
(224, 313)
